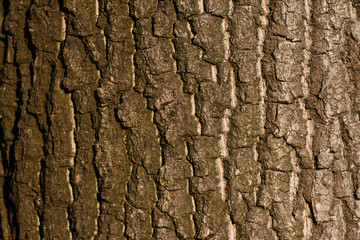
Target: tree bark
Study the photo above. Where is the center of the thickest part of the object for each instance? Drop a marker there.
(183, 119)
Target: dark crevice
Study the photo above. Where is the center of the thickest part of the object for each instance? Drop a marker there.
(311, 210)
(70, 170)
(133, 169)
(127, 200)
(192, 189)
(96, 119)
(6, 146)
(71, 218)
(10, 171)
(7, 155)
(8, 166)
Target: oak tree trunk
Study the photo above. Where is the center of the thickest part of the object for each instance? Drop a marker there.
(180, 119)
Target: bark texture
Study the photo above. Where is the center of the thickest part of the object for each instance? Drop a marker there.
(180, 119)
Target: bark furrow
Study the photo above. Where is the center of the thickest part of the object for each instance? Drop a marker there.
(179, 119)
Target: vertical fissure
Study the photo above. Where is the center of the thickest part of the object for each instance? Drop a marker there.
(71, 171)
(306, 72)
(72, 118)
(11, 167)
(224, 173)
(8, 136)
(259, 71)
(97, 125)
(308, 222)
(22, 195)
(261, 34)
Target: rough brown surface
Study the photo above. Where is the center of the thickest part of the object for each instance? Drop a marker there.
(180, 119)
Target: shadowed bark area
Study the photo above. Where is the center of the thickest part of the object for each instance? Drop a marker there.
(180, 119)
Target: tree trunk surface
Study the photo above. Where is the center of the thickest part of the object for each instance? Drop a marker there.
(180, 119)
